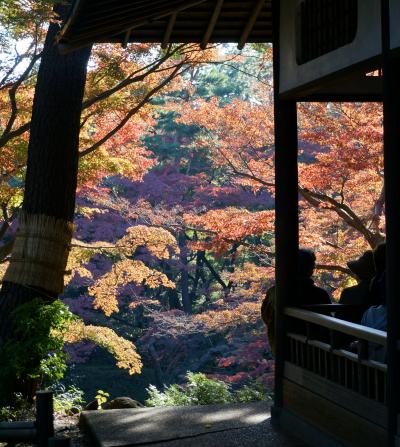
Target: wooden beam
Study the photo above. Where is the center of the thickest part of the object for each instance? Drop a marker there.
(391, 137)
(168, 31)
(286, 211)
(345, 327)
(126, 37)
(359, 88)
(211, 24)
(250, 24)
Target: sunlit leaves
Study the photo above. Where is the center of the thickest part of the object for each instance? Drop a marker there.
(127, 270)
(105, 290)
(123, 350)
(227, 226)
(159, 242)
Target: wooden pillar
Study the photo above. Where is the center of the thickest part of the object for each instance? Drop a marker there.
(44, 417)
(391, 124)
(286, 209)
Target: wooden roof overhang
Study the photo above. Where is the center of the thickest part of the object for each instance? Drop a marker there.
(204, 22)
(173, 21)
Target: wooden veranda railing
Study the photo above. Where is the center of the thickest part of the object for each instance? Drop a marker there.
(331, 358)
(330, 379)
(39, 432)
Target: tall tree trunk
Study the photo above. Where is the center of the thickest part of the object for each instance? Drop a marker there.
(199, 265)
(51, 178)
(186, 302)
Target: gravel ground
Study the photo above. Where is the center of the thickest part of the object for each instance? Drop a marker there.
(68, 427)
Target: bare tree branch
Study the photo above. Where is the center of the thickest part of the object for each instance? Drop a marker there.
(14, 133)
(378, 210)
(132, 112)
(335, 268)
(132, 78)
(343, 211)
(152, 67)
(13, 91)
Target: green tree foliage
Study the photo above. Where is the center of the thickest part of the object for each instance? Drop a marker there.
(200, 390)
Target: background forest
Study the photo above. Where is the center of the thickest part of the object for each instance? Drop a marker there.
(173, 248)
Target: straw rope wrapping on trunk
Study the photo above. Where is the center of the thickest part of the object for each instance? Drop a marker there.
(40, 252)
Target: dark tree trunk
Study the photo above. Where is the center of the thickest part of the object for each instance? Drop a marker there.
(199, 265)
(173, 299)
(186, 302)
(51, 176)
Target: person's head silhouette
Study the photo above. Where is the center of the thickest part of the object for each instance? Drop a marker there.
(364, 266)
(380, 258)
(305, 263)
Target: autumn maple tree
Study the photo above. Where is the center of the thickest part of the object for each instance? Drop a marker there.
(173, 245)
(340, 170)
(101, 123)
(213, 190)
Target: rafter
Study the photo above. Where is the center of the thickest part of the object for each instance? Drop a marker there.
(155, 21)
(211, 24)
(168, 31)
(250, 23)
(121, 20)
(126, 37)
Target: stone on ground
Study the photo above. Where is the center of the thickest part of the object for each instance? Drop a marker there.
(234, 425)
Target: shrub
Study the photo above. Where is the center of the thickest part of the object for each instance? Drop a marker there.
(18, 408)
(200, 390)
(8, 414)
(101, 398)
(37, 352)
(67, 400)
(252, 392)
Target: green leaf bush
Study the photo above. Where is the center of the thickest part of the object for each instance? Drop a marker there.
(68, 400)
(201, 390)
(37, 351)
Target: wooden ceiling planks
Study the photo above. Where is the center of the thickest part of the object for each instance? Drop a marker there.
(167, 21)
(100, 20)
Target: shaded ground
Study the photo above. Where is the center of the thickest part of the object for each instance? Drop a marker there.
(234, 425)
(64, 427)
(100, 373)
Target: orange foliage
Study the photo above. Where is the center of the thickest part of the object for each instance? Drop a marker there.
(240, 136)
(123, 350)
(229, 225)
(340, 170)
(105, 290)
(158, 241)
(246, 312)
(250, 281)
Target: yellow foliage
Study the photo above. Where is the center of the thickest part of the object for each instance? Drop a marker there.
(157, 240)
(77, 258)
(90, 212)
(127, 271)
(123, 350)
(3, 268)
(246, 312)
